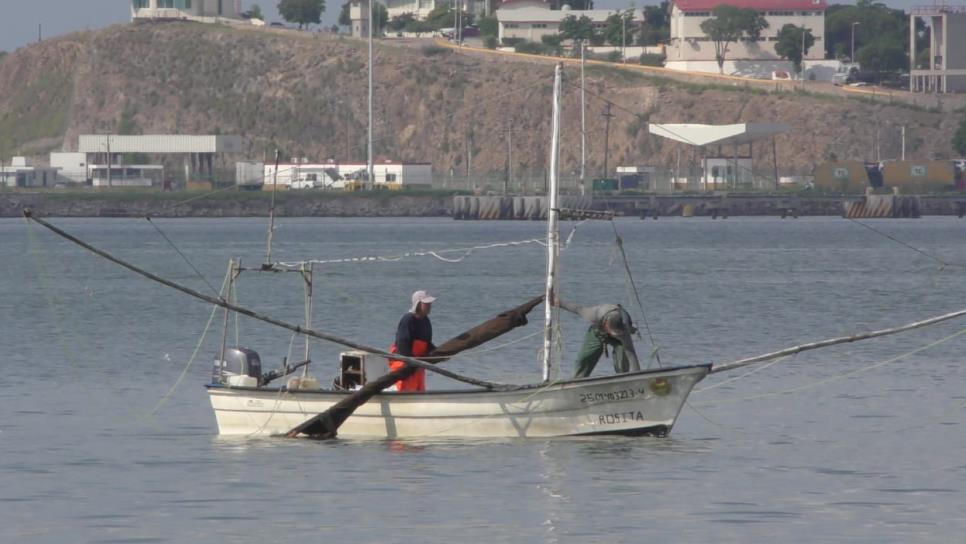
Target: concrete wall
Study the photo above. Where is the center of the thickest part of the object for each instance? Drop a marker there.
(817, 70)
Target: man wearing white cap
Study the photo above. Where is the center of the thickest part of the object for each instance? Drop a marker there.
(414, 338)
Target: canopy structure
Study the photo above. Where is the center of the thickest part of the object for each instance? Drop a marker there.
(703, 135)
(720, 168)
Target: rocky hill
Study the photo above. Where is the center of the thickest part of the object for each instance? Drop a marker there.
(306, 94)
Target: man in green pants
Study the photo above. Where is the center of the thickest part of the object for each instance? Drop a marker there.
(610, 325)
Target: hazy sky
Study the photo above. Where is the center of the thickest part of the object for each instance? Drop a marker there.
(19, 20)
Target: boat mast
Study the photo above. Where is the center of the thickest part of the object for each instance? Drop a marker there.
(583, 121)
(553, 211)
(271, 212)
(369, 169)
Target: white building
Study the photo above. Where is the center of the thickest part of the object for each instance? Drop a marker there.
(947, 48)
(72, 167)
(127, 175)
(359, 15)
(533, 19)
(333, 175)
(421, 8)
(690, 49)
(22, 173)
(199, 10)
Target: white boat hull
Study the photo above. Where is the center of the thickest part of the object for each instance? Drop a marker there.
(638, 403)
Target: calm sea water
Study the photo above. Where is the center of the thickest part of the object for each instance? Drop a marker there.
(107, 435)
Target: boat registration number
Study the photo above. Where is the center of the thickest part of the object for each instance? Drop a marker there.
(611, 396)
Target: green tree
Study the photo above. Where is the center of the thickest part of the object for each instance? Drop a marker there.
(418, 27)
(254, 13)
(381, 17)
(440, 17)
(302, 12)
(619, 27)
(729, 24)
(868, 22)
(882, 55)
(657, 25)
(577, 28)
(551, 40)
(792, 46)
(959, 139)
(489, 26)
(399, 22)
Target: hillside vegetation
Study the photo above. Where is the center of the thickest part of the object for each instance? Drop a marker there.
(306, 94)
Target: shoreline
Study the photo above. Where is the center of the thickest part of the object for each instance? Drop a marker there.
(429, 204)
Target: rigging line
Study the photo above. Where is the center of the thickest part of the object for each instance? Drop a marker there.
(415, 253)
(637, 296)
(322, 335)
(183, 256)
(944, 264)
(742, 376)
(184, 372)
(846, 375)
(722, 367)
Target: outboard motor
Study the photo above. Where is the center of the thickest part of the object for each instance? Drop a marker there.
(241, 367)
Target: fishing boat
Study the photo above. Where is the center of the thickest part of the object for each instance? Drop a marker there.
(637, 403)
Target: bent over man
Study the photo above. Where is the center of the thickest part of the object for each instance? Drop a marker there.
(610, 325)
(414, 338)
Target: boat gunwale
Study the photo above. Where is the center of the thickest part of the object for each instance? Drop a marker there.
(212, 387)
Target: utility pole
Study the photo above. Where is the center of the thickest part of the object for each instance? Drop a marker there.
(369, 168)
(509, 155)
(801, 64)
(903, 142)
(469, 151)
(109, 160)
(348, 148)
(583, 121)
(852, 54)
(623, 38)
(774, 156)
(607, 116)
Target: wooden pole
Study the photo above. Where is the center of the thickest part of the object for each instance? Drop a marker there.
(722, 367)
(298, 329)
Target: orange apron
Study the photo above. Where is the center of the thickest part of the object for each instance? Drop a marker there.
(416, 382)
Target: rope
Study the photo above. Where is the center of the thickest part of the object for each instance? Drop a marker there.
(184, 372)
(722, 367)
(637, 296)
(183, 256)
(268, 319)
(944, 264)
(846, 374)
(742, 376)
(438, 254)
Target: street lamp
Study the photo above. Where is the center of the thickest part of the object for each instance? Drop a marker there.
(852, 55)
